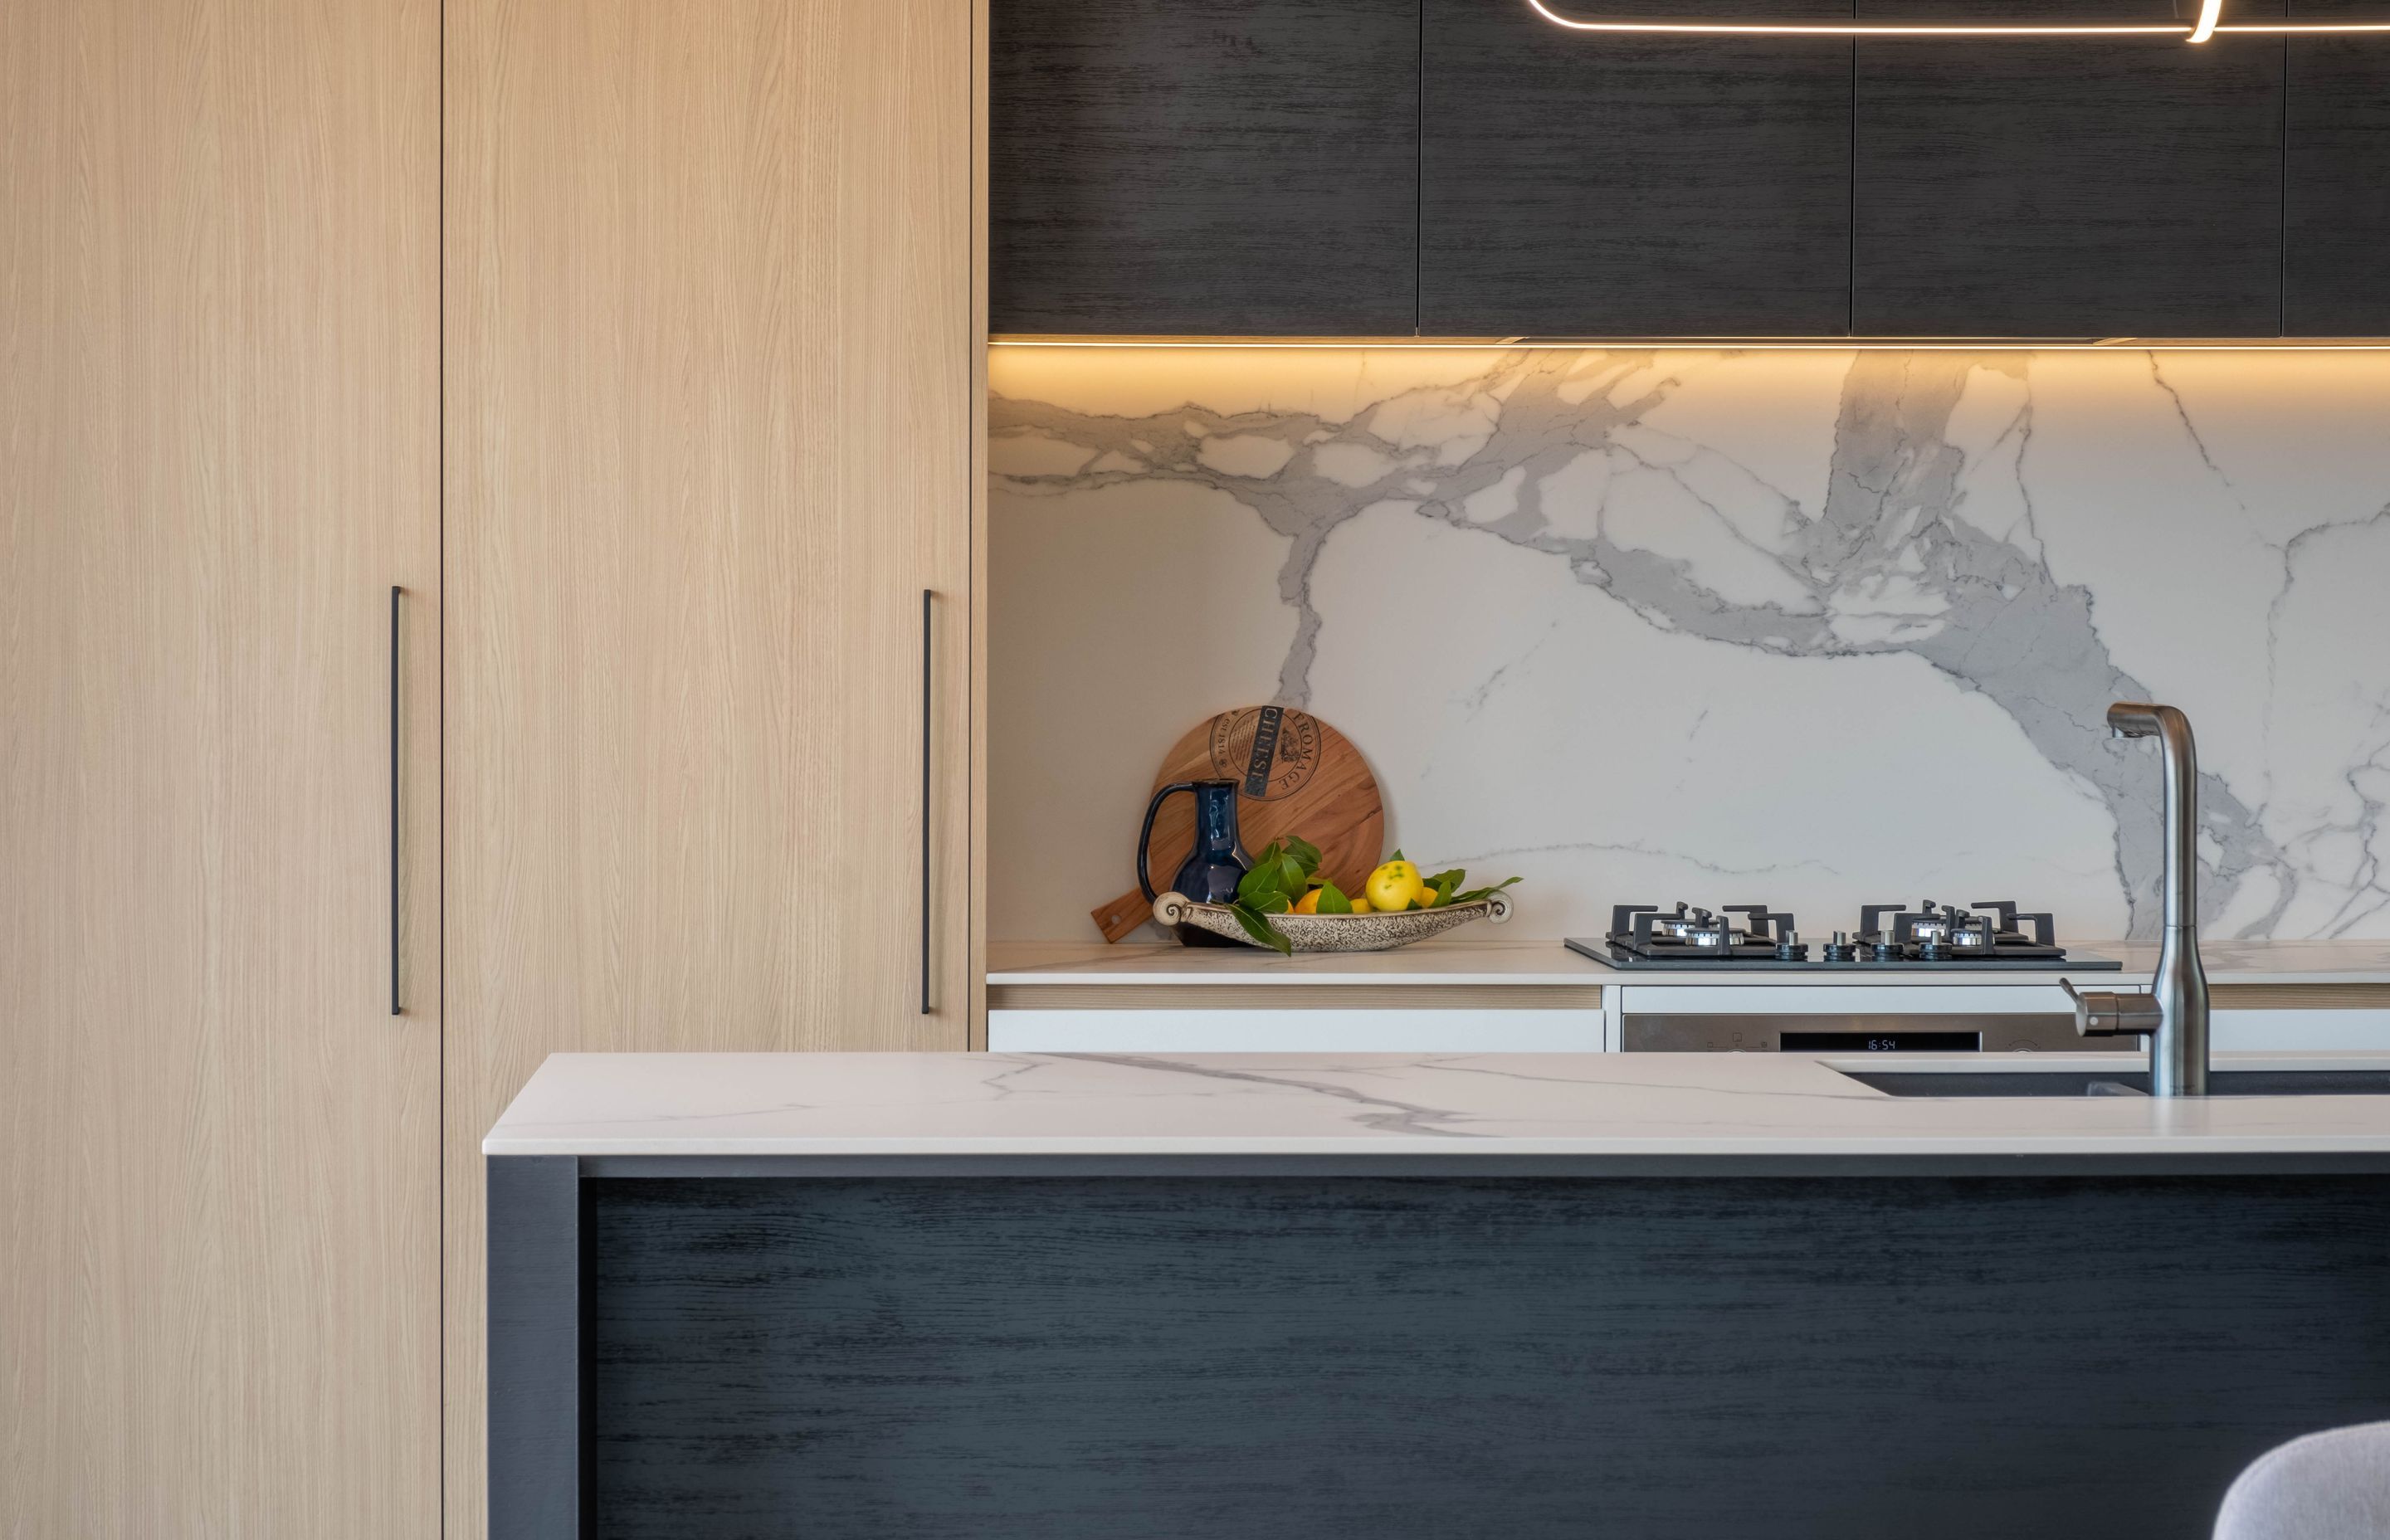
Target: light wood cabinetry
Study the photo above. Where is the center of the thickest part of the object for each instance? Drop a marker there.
(712, 352)
(219, 449)
(712, 384)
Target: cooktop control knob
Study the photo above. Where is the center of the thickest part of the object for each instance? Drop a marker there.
(1839, 949)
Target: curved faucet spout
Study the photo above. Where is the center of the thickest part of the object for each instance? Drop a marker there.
(2139, 719)
(2172, 729)
(2179, 1044)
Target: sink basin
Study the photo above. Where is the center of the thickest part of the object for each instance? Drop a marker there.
(2119, 1082)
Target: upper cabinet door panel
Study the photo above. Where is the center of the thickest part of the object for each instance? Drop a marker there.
(1575, 183)
(2336, 201)
(1204, 167)
(2066, 186)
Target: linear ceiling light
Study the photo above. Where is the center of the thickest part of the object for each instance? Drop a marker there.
(2210, 23)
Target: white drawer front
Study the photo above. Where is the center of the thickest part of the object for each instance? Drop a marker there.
(1265, 1031)
(2299, 1031)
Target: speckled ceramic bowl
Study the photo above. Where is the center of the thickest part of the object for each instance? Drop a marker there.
(1372, 932)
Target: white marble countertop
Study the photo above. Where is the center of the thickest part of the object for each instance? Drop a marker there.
(1508, 961)
(1376, 1104)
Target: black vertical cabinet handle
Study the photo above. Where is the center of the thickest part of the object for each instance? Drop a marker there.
(395, 593)
(927, 595)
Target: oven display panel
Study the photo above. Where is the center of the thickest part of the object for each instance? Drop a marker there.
(1882, 1041)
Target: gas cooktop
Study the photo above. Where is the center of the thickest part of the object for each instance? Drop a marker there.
(1985, 935)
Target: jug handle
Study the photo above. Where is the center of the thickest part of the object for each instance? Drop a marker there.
(1145, 835)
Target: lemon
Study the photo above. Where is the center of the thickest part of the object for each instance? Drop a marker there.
(1426, 897)
(1393, 886)
(1360, 904)
(1308, 904)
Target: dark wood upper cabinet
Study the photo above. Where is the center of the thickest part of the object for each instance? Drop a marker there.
(2337, 191)
(1463, 168)
(2068, 186)
(1583, 185)
(1204, 167)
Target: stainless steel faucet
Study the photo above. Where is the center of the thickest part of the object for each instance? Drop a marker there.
(2173, 1015)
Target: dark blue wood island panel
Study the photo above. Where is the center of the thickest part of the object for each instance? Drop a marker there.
(1242, 1357)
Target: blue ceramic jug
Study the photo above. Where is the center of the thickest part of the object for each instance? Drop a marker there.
(1217, 863)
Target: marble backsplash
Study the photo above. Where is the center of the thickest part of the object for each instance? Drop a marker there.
(1818, 627)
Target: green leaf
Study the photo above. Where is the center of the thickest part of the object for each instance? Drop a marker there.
(1261, 931)
(1274, 871)
(1285, 871)
(1473, 894)
(1397, 856)
(1333, 900)
(1443, 882)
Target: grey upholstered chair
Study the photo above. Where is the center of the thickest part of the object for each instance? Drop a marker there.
(2333, 1486)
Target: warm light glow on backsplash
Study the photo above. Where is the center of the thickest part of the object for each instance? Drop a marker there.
(1334, 376)
(1718, 344)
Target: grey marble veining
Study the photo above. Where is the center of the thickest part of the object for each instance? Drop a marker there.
(1925, 522)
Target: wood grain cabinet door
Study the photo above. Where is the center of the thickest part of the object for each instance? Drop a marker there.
(1575, 185)
(2336, 196)
(1204, 167)
(2066, 186)
(219, 451)
(712, 352)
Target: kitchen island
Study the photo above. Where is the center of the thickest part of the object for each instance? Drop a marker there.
(1650, 1296)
